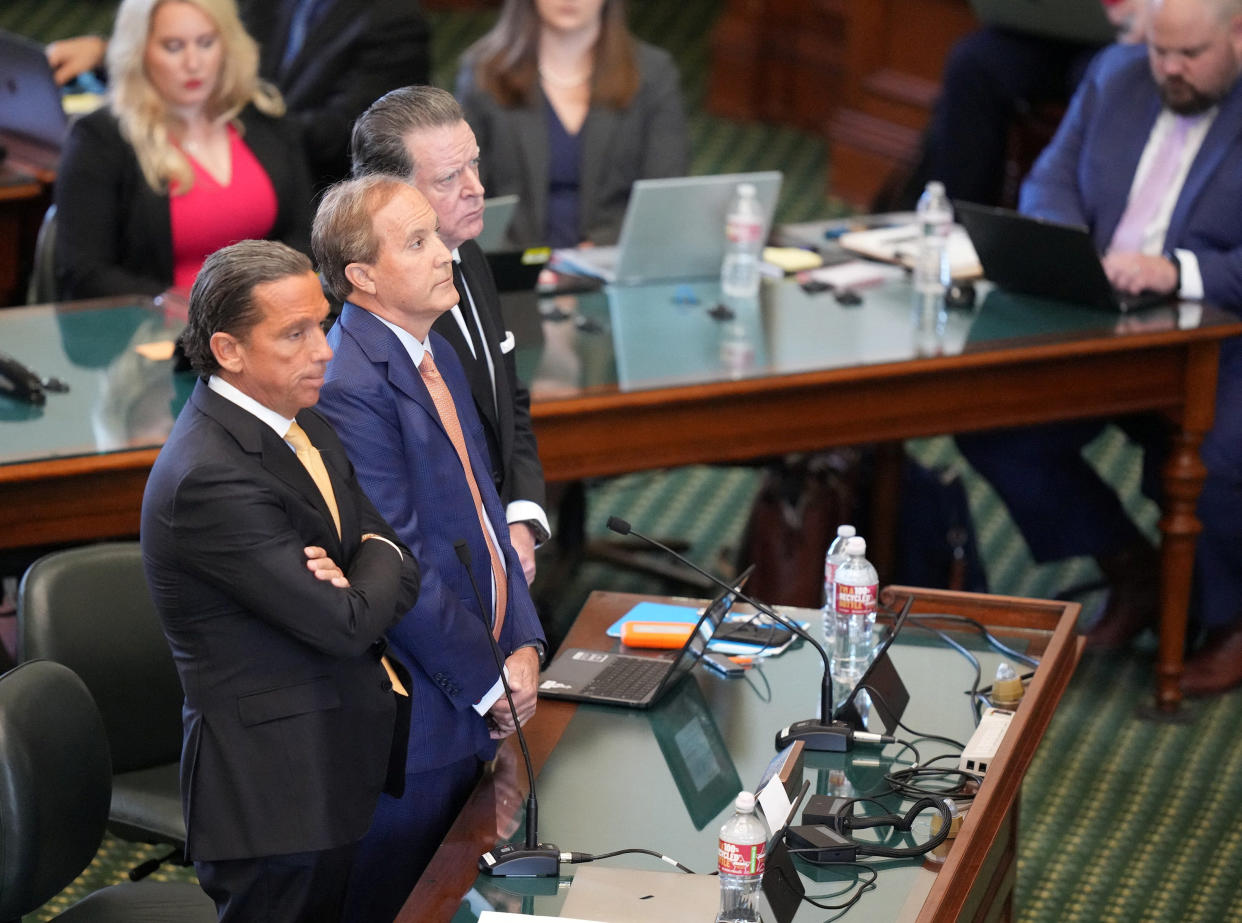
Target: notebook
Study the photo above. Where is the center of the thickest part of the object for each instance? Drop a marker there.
(1032, 256)
(1075, 20)
(632, 680)
(620, 895)
(673, 229)
(30, 103)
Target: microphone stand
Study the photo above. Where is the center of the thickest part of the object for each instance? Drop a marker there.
(821, 733)
(532, 859)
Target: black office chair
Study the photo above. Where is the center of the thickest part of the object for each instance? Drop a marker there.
(55, 784)
(42, 285)
(89, 609)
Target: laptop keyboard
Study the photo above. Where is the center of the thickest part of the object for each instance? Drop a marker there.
(628, 679)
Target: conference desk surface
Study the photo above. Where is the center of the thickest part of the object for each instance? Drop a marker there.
(610, 778)
(635, 378)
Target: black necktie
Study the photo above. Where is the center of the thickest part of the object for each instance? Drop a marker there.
(468, 315)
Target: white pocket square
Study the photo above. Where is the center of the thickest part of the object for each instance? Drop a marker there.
(507, 344)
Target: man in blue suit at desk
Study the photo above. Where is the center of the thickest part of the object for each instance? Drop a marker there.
(399, 399)
(1147, 158)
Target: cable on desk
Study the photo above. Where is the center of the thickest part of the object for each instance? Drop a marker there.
(577, 858)
(863, 887)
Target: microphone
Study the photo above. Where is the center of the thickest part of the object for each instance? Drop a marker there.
(815, 733)
(532, 859)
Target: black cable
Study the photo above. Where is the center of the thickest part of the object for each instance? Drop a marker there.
(577, 858)
(863, 887)
(990, 638)
(901, 781)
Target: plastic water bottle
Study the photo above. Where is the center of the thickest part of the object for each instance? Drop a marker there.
(935, 216)
(739, 273)
(832, 558)
(855, 588)
(743, 843)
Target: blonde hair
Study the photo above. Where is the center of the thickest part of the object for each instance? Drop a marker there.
(145, 120)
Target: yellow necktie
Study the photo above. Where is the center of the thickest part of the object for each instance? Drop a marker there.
(308, 455)
(443, 399)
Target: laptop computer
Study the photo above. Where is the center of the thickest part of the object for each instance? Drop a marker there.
(30, 103)
(673, 229)
(633, 680)
(1032, 256)
(1075, 20)
(497, 213)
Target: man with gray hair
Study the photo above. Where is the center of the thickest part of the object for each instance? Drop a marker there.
(275, 579)
(420, 134)
(1147, 158)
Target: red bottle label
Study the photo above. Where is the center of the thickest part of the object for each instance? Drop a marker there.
(855, 600)
(740, 858)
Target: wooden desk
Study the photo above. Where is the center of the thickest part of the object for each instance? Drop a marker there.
(976, 880)
(637, 378)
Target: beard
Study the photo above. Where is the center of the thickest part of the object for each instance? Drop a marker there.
(1184, 98)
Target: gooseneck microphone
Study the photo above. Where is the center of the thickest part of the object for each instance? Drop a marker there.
(815, 733)
(531, 859)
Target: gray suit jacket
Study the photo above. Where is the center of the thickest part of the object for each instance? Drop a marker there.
(647, 139)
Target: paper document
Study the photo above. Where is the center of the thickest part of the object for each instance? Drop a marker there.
(901, 244)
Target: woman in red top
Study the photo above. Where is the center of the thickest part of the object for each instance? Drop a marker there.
(189, 155)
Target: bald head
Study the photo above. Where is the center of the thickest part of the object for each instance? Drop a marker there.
(1195, 51)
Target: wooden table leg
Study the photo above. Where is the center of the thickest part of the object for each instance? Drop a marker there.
(1184, 475)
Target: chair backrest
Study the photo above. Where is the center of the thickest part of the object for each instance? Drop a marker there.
(42, 286)
(89, 608)
(55, 783)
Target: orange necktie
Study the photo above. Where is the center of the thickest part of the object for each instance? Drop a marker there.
(443, 400)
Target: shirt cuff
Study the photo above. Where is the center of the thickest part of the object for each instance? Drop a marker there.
(1192, 279)
(484, 705)
(529, 511)
(389, 542)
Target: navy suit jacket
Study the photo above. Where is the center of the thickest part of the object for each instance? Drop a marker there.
(376, 399)
(1084, 175)
(288, 713)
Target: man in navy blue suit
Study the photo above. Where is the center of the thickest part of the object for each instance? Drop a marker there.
(397, 395)
(1147, 158)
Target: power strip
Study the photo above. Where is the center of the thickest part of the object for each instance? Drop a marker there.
(985, 741)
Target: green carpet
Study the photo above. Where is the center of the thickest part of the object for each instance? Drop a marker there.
(1122, 819)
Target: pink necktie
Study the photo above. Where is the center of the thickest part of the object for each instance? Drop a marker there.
(1145, 200)
(443, 400)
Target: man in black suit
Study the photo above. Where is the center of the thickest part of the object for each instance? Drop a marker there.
(275, 579)
(329, 58)
(420, 133)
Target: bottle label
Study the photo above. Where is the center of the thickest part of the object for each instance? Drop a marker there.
(743, 231)
(740, 858)
(855, 600)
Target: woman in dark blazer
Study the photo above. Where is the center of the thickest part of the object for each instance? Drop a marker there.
(569, 109)
(189, 155)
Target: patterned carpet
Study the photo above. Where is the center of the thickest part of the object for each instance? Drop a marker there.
(1122, 819)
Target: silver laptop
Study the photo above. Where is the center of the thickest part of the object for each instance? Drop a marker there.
(497, 213)
(30, 103)
(673, 229)
(1074, 20)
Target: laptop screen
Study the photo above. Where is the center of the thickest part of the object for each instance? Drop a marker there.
(704, 628)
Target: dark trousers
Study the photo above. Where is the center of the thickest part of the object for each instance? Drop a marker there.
(988, 75)
(304, 887)
(1063, 508)
(404, 835)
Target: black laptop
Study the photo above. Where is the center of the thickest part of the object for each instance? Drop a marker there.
(633, 680)
(1031, 256)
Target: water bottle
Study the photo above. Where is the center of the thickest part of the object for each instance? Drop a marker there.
(832, 558)
(739, 273)
(935, 216)
(855, 588)
(743, 842)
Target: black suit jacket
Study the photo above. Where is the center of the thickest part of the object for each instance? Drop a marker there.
(514, 455)
(288, 713)
(354, 53)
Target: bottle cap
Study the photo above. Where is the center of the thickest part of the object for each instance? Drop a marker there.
(856, 545)
(745, 803)
(746, 189)
(846, 531)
